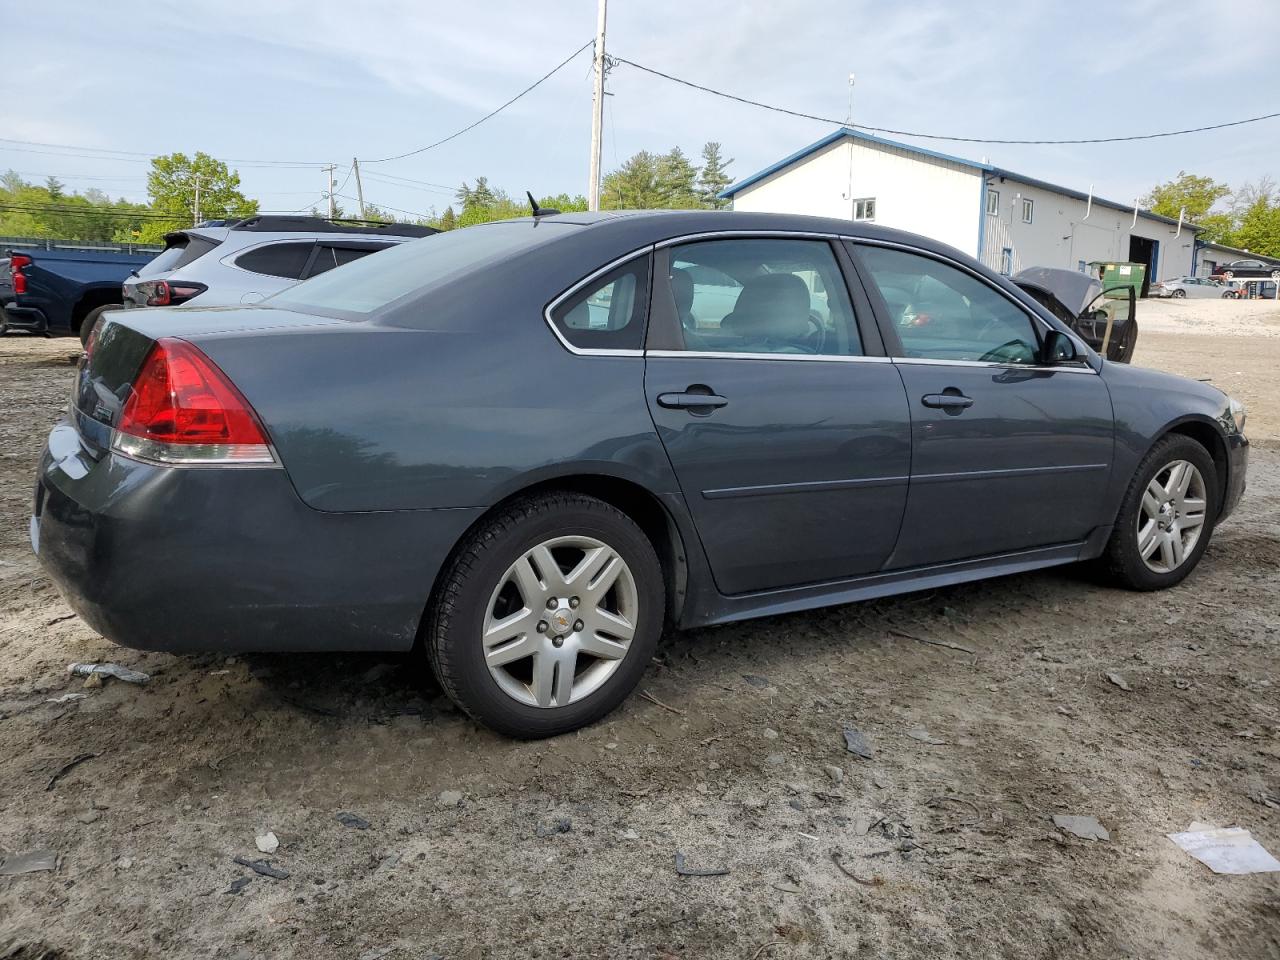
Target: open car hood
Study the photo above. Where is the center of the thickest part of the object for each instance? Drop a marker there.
(1075, 291)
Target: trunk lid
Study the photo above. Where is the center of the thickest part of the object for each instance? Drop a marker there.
(105, 376)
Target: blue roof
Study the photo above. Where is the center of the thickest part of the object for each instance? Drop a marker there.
(842, 132)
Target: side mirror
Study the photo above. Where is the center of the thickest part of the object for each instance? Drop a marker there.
(1059, 348)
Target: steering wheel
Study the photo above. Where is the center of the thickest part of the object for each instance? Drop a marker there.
(818, 333)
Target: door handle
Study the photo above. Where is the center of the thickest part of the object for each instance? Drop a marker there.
(947, 401)
(691, 400)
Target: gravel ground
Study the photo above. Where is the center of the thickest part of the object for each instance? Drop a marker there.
(941, 845)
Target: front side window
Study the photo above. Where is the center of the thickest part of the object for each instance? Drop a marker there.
(941, 312)
(1028, 209)
(766, 295)
(993, 203)
(277, 259)
(864, 209)
(608, 312)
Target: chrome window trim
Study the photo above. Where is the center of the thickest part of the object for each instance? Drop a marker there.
(646, 250)
(1042, 368)
(1044, 327)
(743, 234)
(730, 355)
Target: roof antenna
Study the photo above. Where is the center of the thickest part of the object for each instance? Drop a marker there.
(537, 210)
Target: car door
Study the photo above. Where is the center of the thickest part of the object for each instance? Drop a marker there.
(785, 423)
(272, 267)
(1006, 453)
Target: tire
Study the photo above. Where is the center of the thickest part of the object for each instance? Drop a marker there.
(1180, 294)
(1228, 296)
(1122, 560)
(480, 581)
(91, 320)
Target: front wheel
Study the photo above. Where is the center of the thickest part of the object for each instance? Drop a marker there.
(548, 615)
(1166, 519)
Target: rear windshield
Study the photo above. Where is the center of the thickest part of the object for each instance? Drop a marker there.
(182, 249)
(374, 282)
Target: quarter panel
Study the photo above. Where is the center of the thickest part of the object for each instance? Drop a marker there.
(369, 417)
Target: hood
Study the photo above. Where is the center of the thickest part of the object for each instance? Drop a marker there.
(1072, 289)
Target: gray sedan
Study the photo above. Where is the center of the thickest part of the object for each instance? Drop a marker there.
(523, 448)
(1188, 287)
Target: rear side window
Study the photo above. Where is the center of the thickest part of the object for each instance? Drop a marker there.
(180, 251)
(608, 312)
(329, 256)
(277, 259)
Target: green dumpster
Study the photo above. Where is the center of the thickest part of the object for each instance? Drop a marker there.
(1117, 273)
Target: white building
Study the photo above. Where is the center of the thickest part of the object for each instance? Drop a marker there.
(1006, 220)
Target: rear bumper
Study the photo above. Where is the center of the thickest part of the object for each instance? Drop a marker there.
(1237, 468)
(186, 559)
(26, 318)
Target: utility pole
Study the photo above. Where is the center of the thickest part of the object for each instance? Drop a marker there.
(355, 166)
(597, 113)
(329, 170)
(196, 212)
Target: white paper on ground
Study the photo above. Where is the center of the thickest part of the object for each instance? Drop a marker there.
(1228, 850)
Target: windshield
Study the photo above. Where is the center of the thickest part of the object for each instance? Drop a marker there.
(383, 278)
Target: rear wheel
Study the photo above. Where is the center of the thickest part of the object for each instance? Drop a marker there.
(547, 616)
(1166, 519)
(1179, 294)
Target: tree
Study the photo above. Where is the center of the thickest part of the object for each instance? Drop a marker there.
(448, 220)
(633, 186)
(1197, 194)
(171, 185)
(1259, 227)
(713, 177)
(677, 181)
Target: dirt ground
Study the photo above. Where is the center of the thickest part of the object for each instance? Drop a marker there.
(941, 845)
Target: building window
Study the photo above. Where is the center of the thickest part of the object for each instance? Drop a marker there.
(993, 203)
(1006, 261)
(1028, 208)
(864, 209)
(1082, 266)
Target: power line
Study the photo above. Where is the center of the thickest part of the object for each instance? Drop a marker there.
(441, 190)
(425, 183)
(145, 156)
(386, 206)
(937, 136)
(546, 76)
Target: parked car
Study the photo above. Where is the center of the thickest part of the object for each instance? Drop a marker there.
(1246, 270)
(442, 447)
(249, 260)
(1182, 287)
(1105, 319)
(59, 292)
(6, 293)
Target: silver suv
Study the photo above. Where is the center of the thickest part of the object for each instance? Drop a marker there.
(220, 264)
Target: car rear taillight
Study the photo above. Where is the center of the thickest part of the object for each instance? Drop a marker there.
(184, 410)
(162, 293)
(16, 262)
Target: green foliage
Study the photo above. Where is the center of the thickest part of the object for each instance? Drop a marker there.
(1197, 194)
(713, 177)
(171, 185)
(1258, 228)
(649, 181)
(27, 210)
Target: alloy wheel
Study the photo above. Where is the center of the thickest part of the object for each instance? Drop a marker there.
(560, 621)
(1172, 517)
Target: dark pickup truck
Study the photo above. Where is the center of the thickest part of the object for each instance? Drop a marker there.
(56, 291)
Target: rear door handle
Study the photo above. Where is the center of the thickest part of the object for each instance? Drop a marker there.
(947, 401)
(687, 401)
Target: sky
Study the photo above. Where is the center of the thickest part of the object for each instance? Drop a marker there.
(319, 82)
